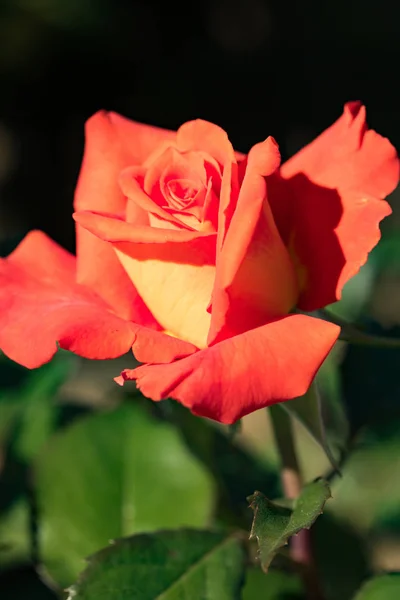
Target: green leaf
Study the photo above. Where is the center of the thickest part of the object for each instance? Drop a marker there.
(234, 429)
(12, 376)
(309, 411)
(15, 547)
(329, 384)
(38, 402)
(382, 587)
(28, 415)
(340, 554)
(386, 255)
(274, 524)
(110, 475)
(276, 585)
(28, 411)
(9, 413)
(355, 294)
(169, 565)
(372, 466)
(224, 458)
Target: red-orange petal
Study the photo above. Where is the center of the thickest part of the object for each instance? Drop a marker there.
(158, 347)
(329, 203)
(111, 228)
(173, 271)
(40, 306)
(203, 136)
(135, 193)
(112, 143)
(273, 363)
(255, 279)
(199, 135)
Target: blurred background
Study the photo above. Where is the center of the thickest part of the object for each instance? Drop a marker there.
(256, 68)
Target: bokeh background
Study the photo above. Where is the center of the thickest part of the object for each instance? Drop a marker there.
(257, 68)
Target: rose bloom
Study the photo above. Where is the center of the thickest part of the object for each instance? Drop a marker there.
(196, 257)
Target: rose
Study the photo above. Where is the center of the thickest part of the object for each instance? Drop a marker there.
(195, 257)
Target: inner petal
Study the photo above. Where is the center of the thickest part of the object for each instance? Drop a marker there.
(184, 185)
(180, 193)
(176, 294)
(172, 165)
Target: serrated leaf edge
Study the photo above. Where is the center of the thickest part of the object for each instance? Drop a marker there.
(284, 537)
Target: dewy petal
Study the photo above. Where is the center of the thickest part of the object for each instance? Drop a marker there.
(255, 280)
(172, 270)
(112, 143)
(329, 202)
(273, 363)
(40, 305)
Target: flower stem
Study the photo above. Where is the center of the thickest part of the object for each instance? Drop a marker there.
(300, 548)
(351, 334)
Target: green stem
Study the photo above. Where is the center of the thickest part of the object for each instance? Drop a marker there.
(353, 335)
(300, 547)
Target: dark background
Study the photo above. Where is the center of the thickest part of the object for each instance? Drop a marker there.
(255, 67)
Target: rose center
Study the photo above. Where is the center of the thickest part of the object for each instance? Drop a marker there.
(181, 192)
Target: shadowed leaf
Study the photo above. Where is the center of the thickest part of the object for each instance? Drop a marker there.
(382, 587)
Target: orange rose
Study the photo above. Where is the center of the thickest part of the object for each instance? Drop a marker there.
(196, 256)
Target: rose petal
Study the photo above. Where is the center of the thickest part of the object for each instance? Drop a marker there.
(45, 260)
(175, 165)
(273, 363)
(203, 136)
(175, 280)
(348, 155)
(172, 270)
(199, 135)
(111, 228)
(329, 204)
(158, 347)
(255, 280)
(112, 143)
(41, 305)
(134, 192)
